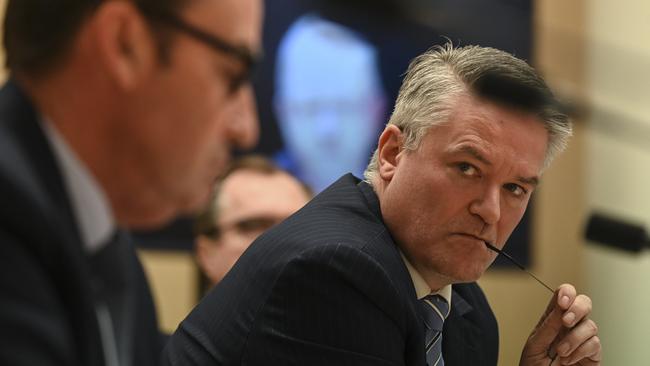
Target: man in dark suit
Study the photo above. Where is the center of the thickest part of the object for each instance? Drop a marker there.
(369, 271)
(118, 114)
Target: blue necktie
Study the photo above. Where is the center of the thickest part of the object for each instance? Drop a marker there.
(434, 310)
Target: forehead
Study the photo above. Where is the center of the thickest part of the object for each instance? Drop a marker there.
(513, 135)
(247, 192)
(237, 21)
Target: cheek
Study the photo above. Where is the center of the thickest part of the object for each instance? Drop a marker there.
(203, 106)
(205, 125)
(236, 246)
(438, 200)
(202, 94)
(299, 133)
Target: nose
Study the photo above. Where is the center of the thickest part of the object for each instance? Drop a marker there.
(325, 120)
(488, 206)
(244, 126)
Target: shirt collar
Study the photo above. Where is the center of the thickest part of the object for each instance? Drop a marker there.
(89, 204)
(421, 287)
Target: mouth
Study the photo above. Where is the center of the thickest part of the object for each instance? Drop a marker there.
(473, 237)
(484, 243)
(492, 247)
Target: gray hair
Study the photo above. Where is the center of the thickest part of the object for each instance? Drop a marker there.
(436, 78)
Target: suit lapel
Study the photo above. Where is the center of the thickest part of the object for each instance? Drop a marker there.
(386, 252)
(461, 336)
(34, 168)
(33, 191)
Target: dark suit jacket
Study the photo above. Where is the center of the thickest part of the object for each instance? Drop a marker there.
(327, 287)
(47, 314)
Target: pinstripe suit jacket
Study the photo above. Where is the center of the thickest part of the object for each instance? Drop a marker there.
(327, 287)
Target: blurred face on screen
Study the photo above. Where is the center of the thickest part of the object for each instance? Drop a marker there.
(329, 100)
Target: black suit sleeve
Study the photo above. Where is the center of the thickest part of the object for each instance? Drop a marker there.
(33, 321)
(332, 305)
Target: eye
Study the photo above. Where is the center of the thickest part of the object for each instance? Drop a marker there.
(255, 224)
(235, 79)
(240, 78)
(236, 83)
(515, 189)
(467, 169)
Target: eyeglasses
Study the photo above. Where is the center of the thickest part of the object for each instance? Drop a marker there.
(245, 227)
(242, 54)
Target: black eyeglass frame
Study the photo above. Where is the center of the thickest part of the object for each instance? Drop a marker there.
(241, 53)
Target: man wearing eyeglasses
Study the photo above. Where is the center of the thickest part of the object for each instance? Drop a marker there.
(251, 196)
(117, 115)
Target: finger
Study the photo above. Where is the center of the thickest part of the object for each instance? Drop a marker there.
(588, 363)
(583, 333)
(589, 351)
(558, 295)
(563, 361)
(566, 295)
(579, 309)
(551, 324)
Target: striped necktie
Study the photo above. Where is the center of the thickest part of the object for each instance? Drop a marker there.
(434, 310)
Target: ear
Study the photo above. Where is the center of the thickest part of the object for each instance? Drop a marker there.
(125, 44)
(389, 151)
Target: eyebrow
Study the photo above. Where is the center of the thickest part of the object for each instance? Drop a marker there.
(533, 181)
(475, 153)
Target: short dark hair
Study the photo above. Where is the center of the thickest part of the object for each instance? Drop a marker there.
(205, 222)
(38, 33)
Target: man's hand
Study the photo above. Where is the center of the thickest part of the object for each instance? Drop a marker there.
(564, 335)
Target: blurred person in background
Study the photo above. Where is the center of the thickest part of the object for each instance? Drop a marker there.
(383, 271)
(252, 196)
(117, 114)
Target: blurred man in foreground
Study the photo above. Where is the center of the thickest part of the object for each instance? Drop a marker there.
(118, 114)
(382, 271)
(252, 196)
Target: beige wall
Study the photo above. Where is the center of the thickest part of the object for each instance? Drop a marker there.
(618, 70)
(174, 280)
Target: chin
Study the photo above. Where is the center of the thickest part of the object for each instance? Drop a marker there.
(465, 279)
(191, 196)
(148, 221)
(466, 275)
(196, 201)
